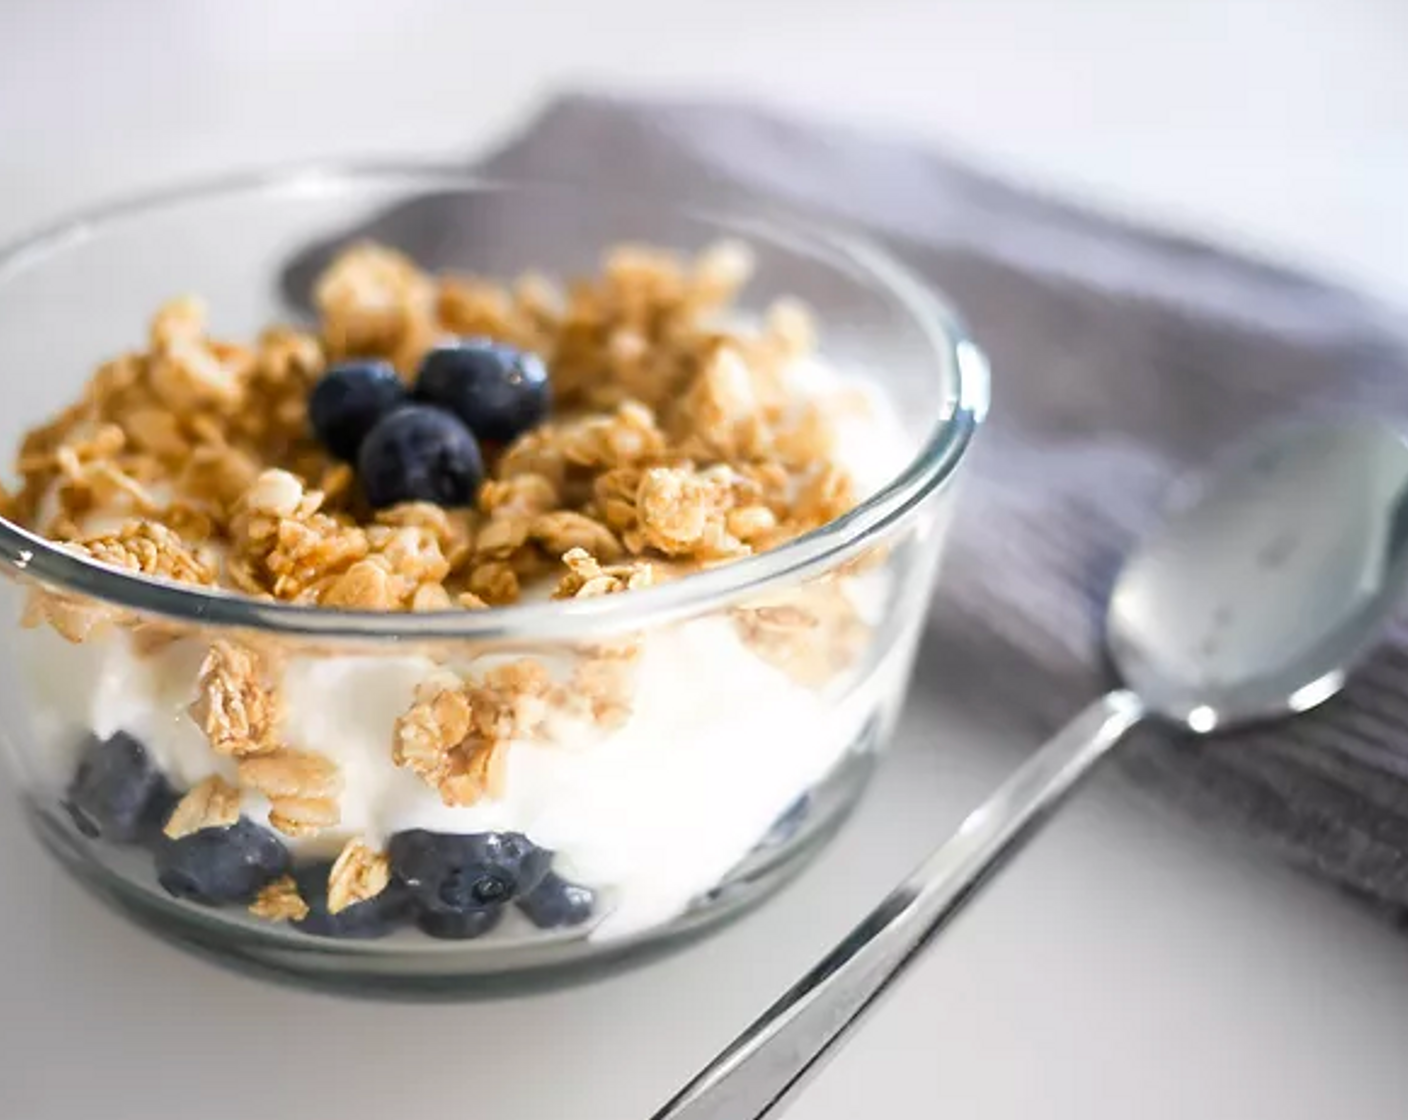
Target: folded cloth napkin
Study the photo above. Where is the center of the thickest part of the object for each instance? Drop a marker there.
(1121, 357)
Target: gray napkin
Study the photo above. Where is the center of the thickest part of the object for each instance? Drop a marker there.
(1121, 357)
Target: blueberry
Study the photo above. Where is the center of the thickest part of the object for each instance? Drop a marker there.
(376, 917)
(450, 873)
(450, 926)
(215, 865)
(420, 454)
(555, 902)
(117, 792)
(346, 404)
(500, 392)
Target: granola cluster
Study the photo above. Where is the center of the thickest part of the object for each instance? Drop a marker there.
(213, 803)
(812, 633)
(238, 705)
(456, 733)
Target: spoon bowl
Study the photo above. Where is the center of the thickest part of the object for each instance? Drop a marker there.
(1267, 578)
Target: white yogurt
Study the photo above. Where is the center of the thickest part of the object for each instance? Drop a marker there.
(654, 813)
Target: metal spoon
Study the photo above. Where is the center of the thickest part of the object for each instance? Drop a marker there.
(1265, 583)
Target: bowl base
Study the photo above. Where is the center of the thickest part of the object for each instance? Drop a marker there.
(416, 967)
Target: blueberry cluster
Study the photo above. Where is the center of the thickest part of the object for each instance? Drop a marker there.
(422, 443)
(449, 885)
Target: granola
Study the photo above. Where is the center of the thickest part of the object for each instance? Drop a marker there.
(280, 901)
(213, 803)
(665, 424)
(813, 633)
(237, 706)
(673, 445)
(455, 733)
(358, 874)
(302, 788)
(586, 578)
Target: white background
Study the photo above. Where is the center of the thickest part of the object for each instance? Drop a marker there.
(1281, 123)
(1124, 967)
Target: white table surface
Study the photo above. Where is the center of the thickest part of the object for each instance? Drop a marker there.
(1125, 966)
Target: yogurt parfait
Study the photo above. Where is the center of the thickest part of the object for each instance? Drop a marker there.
(433, 620)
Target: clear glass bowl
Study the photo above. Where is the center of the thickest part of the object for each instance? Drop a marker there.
(732, 793)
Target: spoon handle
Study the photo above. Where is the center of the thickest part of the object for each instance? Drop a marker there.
(758, 1074)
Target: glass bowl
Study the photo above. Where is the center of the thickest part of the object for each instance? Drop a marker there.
(721, 783)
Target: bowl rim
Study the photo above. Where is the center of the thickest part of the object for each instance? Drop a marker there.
(930, 467)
